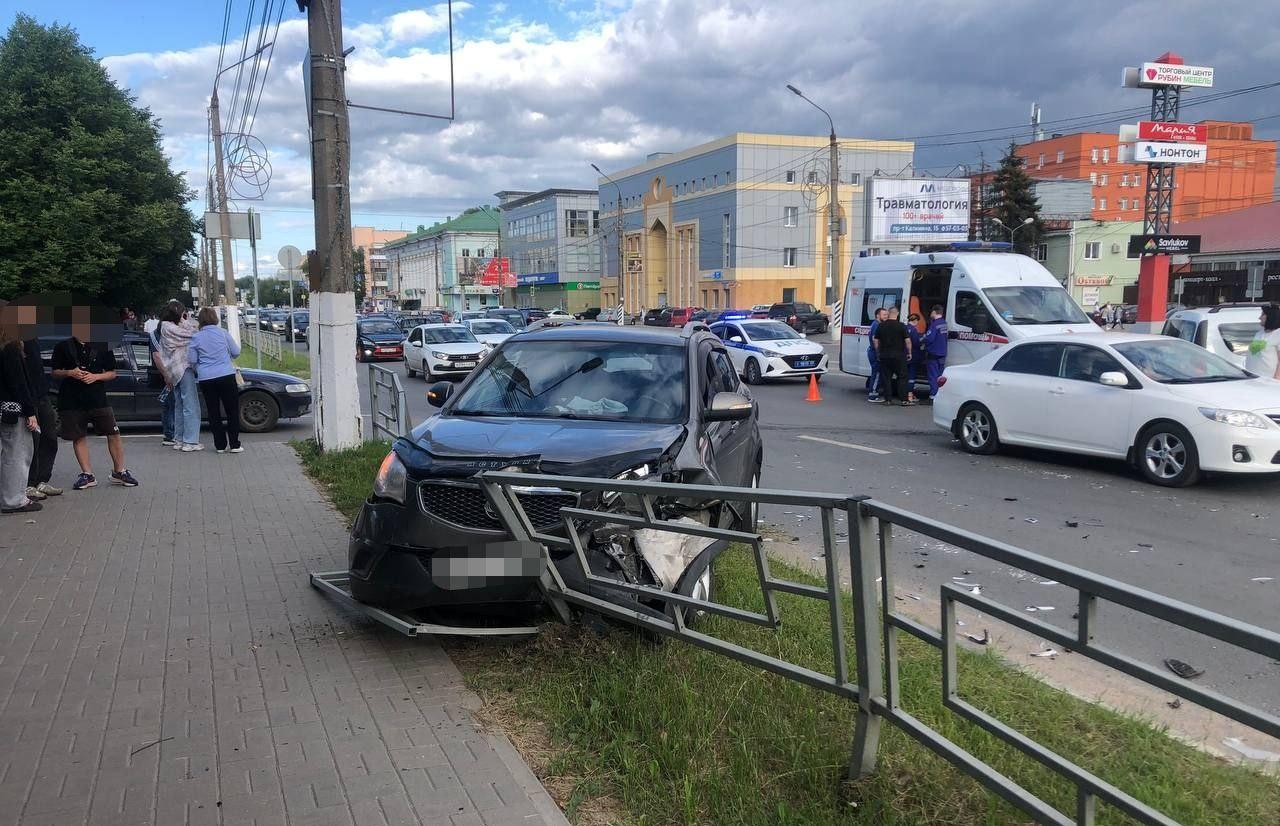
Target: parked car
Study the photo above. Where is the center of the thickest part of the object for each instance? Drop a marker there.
(766, 349)
(654, 317)
(680, 316)
(1171, 408)
(1226, 329)
(1128, 313)
(609, 314)
(490, 331)
(379, 339)
(467, 315)
(559, 313)
(589, 314)
(512, 316)
(297, 325)
(760, 310)
(265, 398)
(442, 350)
(585, 399)
(801, 317)
(532, 314)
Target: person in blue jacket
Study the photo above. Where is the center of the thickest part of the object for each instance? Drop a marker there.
(935, 348)
(917, 355)
(873, 381)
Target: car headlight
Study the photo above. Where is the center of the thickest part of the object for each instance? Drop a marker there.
(438, 355)
(1236, 418)
(773, 354)
(392, 479)
(296, 388)
(635, 474)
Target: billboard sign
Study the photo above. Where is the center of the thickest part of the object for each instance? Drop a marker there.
(1163, 244)
(1177, 132)
(1172, 74)
(918, 210)
(497, 273)
(1159, 152)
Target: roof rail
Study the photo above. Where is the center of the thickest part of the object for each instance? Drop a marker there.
(1230, 305)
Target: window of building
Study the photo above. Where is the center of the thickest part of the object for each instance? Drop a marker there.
(1102, 179)
(813, 177)
(1093, 203)
(595, 220)
(1106, 155)
(855, 178)
(1124, 203)
(1124, 179)
(788, 256)
(1102, 203)
(466, 253)
(1133, 253)
(577, 222)
(1061, 155)
(1042, 252)
(1040, 163)
(1093, 250)
(1093, 177)
(791, 176)
(715, 180)
(704, 182)
(788, 295)
(1093, 155)
(790, 216)
(724, 240)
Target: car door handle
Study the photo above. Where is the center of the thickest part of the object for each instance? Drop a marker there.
(1058, 391)
(993, 383)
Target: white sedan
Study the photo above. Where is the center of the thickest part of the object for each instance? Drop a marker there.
(762, 349)
(490, 331)
(442, 350)
(1163, 404)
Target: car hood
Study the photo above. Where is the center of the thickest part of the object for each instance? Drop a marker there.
(788, 346)
(270, 377)
(1249, 394)
(457, 348)
(460, 445)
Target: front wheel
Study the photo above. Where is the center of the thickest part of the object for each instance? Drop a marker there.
(1167, 456)
(977, 429)
(259, 412)
(752, 372)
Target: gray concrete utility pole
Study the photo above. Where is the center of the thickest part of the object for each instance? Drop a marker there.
(224, 219)
(337, 409)
(833, 203)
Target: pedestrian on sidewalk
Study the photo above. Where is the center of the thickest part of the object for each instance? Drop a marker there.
(893, 349)
(873, 380)
(17, 423)
(210, 354)
(176, 330)
(1264, 350)
(167, 398)
(935, 348)
(915, 365)
(85, 367)
(45, 439)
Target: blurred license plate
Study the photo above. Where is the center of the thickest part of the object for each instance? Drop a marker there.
(464, 364)
(806, 363)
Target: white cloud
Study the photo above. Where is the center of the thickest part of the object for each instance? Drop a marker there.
(620, 80)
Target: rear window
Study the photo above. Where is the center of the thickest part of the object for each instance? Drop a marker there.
(1238, 336)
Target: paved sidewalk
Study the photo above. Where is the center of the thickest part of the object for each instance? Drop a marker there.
(164, 661)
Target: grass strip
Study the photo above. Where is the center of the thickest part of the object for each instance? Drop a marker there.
(669, 733)
(290, 362)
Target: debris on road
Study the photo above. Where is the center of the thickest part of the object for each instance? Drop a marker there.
(1072, 523)
(1031, 609)
(1183, 670)
(1031, 520)
(1048, 582)
(1095, 523)
(983, 640)
(1261, 579)
(1011, 499)
(1045, 652)
(1175, 703)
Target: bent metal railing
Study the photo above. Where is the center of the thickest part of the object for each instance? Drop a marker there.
(876, 625)
(388, 408)
(268, 344)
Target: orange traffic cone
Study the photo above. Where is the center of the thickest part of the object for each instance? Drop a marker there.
(814, 395)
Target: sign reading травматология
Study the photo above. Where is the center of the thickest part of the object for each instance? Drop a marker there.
(931, 210)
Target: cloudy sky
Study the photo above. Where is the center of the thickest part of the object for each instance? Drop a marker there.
(546, 87)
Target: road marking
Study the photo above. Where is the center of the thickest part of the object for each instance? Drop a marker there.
(849, 445)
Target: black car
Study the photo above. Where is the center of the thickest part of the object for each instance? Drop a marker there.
(654, 317)
(296, 325)
(265, 398)
(532, 314)
(589, 314)
(584, 399)
(801, 317)
(379, 339)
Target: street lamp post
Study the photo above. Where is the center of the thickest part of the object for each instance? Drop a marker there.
(833, 201)
(1013, 231)
(621, 291)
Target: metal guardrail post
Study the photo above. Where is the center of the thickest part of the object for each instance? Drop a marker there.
(864, 567)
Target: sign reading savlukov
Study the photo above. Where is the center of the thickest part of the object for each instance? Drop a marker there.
(934, 210)
(1163, 244)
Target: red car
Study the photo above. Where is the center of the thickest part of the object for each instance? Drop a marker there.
(681, 316)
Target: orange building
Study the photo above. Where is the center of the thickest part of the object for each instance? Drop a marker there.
(371, 240)
(1240, 172)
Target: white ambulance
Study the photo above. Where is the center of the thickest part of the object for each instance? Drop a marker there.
(990, 297)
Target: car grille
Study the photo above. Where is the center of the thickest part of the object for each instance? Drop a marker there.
(465, 506)
(464, 357)
(811, 360)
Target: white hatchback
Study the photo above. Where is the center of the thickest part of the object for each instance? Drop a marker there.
(490, 331)
(1165, 405)
(442, 350)
(1226, 329)
(764, 349)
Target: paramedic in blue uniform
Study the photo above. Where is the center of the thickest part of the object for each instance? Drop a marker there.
(916, 364)
(935, 348)
(873, 381)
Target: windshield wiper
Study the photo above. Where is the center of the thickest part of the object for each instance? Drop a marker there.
(482, 413)
(586, 367)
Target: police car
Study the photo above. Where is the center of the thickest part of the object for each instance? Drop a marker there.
(764, 349)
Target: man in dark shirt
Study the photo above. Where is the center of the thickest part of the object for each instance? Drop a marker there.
(45, 440)
(85, 370)
(893, 350)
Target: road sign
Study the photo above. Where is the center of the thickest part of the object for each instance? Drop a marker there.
(1161, 153)
(238, 222)
(1166, 244)
(717, 275)
(1175, 132)
(289, 257)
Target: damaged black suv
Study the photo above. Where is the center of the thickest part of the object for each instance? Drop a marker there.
(591, 401)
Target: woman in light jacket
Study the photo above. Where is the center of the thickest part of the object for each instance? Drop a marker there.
(17, 423)
(210, 354)
(176, 330)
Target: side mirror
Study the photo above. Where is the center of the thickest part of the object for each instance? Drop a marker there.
(736, 339)
(728, 407)
(439, 393)
(1113, 378)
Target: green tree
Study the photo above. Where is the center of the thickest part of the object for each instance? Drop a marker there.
(359, 270)
(88, 201)
(1013, 201)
